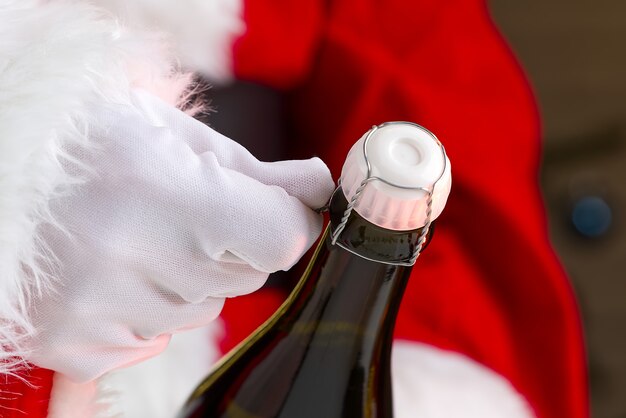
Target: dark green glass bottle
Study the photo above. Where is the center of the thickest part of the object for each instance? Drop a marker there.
(326, 352)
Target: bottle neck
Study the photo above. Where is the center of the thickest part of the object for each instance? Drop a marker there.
(363, 238)
(356, 287)
(344, 310)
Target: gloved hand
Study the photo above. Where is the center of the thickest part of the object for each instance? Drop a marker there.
(172, 218)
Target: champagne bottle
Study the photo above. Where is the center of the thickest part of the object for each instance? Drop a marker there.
(326, 352)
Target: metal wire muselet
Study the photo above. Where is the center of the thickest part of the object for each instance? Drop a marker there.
(370, 178)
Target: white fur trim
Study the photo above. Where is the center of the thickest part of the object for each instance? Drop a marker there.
(156, 388)
(433, 383)
(202, 31)
(73, 400)
(427, 382)
(57, 60)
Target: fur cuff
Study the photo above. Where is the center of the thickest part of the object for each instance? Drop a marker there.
(202, 31)
(155, 388)
(57, 59)
(427, 382)
(430, 382)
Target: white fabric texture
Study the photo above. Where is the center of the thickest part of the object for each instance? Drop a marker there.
(171, 218)
(432, 383)
(58, 59)
(155, 388)
(158, 387)
(200, 31)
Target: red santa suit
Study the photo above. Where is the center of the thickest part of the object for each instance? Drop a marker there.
(488, 325)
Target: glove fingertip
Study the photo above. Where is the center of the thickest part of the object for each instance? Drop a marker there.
(318, 186)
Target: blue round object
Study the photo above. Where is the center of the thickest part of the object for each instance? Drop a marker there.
(592, 216)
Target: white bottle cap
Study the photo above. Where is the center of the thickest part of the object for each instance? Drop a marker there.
(406, 163)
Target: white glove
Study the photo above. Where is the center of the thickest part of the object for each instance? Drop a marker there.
(173, 218)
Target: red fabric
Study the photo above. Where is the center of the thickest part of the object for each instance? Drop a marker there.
(490, 285)
(26, 397)
(285, 37)
(245, 313)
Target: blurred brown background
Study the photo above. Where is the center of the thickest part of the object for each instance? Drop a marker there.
(573, 53)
